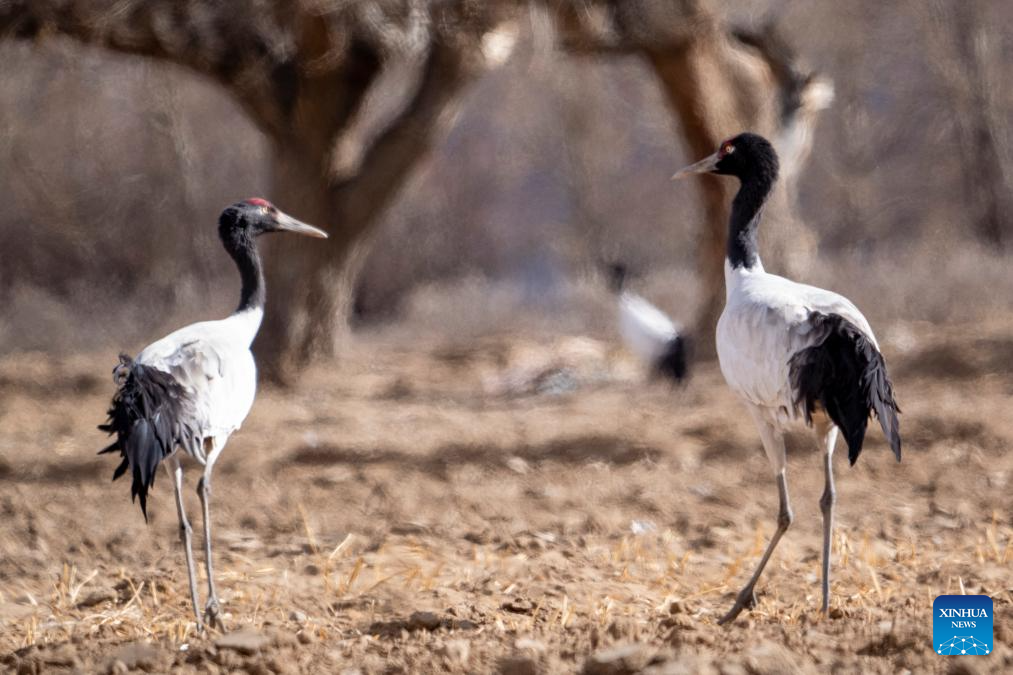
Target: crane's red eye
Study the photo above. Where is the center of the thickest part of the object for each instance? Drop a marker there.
(727, 149)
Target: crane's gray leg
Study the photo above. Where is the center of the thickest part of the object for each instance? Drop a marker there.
(773, 444)
(186, 535)
(213, 609)
(827, 507)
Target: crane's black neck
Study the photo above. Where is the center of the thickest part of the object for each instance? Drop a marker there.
(243, 248)
(747, 207)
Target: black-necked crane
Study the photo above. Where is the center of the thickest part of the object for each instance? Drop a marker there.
(648, 332)
(791, 352)
(189, 391)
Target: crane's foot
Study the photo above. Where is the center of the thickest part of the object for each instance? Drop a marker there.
(213, 614)
(198, 619)
(746, 599)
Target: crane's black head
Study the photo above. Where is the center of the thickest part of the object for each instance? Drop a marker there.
(242, 222)
(746, 156)
(618, 273)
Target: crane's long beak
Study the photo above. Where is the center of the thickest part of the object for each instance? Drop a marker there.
(286, 223)
(705, 165)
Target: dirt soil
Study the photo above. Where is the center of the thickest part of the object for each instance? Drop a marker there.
(509, 505)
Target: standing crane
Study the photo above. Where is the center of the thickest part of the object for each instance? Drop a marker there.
(791, 352)
(193, 388)
(648, 332)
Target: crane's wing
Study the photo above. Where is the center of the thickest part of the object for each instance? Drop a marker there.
(797, 349)
(842, 372)
(813, 299)
(834, 365)
(197, 365)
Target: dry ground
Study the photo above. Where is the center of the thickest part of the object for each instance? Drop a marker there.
(530, 500)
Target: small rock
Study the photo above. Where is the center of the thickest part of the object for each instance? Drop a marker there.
(245, 641)
(518, 465)
(676, 606)
(311, 570)
(705, 638)
(621, 629)
(517, 665)
(297, 616)
(137, 656)
(305, 637)
(64, 655)
(769, 657)
(228, 660)
(97, 597)
(282, 666)
(519, 606)
(283, 639)
(680, 621)
(456, 651)
(424, 621)
(622, 660)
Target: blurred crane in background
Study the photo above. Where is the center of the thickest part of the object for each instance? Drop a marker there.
(648, 332)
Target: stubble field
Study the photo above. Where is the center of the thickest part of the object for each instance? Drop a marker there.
(510, 504)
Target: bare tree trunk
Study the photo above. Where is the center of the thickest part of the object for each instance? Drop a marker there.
(693, 84)
(349, 206)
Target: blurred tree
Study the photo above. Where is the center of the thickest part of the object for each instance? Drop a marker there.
(964, 57)
(352, 95)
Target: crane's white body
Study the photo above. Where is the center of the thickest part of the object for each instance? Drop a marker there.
(213, 362)
(645, 329)
(766, 321)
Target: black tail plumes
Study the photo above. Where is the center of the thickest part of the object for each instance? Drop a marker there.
(617, 273)
(673, 362)
(845, 375)
(148, 416)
